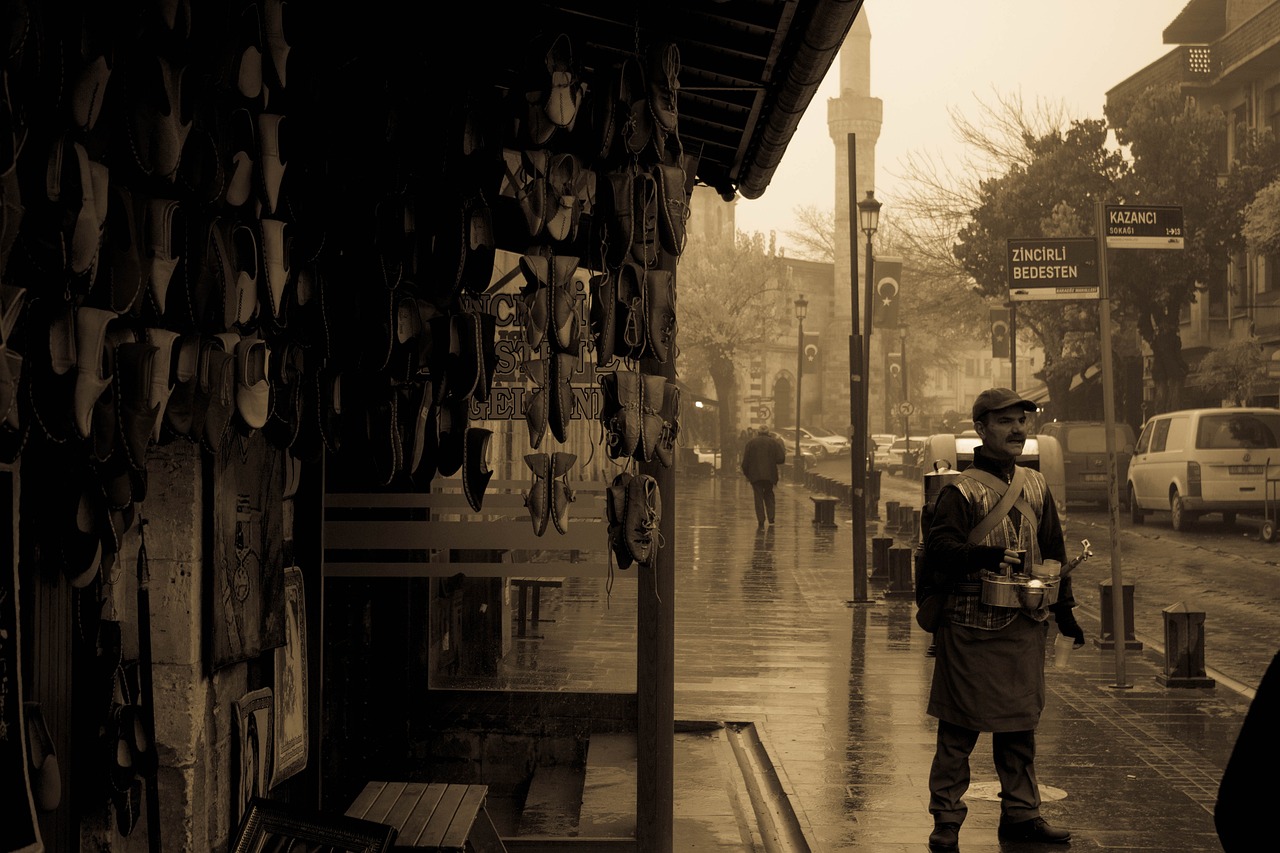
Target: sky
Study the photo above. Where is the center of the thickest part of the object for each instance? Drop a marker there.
(929, 57)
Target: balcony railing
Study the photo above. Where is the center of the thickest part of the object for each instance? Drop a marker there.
(1187, 66)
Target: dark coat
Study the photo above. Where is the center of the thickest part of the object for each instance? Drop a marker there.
(761, 458)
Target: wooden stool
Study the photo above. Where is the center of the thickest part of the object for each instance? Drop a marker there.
(431, 816)
(530, 601)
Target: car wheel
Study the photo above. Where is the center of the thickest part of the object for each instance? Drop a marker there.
(1179, 518)
(1229, 518)
(1136, 515)
(1267, 532)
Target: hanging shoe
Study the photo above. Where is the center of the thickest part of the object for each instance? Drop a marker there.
(476, 472)
(644, 513)
(92, 373)
(538, 498)
(603, 315)
(42, 759)
(616, 518)
(562, 495)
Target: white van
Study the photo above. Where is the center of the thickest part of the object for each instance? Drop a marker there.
(1196, 461)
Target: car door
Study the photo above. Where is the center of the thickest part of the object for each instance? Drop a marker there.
(1141, 467)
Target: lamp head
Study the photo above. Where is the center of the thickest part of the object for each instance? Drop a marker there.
(802, 307)
(869, 214)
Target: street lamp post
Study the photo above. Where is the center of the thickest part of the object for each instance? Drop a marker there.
(868, 221)
(802, 308)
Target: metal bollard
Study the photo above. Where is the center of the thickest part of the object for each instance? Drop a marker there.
(1106, 636)
(1183, 648)
(901, 582)
(890, 515)
(880, 556)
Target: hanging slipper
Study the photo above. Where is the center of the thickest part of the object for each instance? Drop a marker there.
(476, 472)
(481, 249)
(673, 207)
(253, 390)
(562, 495)
(632, 335)
(643, 515)
(273, 158)
(664, 84)
(561, 394)
(665, 449)
(286, 378)
(603, 315)
(619, 215)
(450, 438)
(215, 403)
(242, 145)
(276, 37)
(615, 498)
(621, 395)
(538, 498)
(652, 390)
(537, 408)
(660, 312)
(565, 89)
(243, 257)
(136, 369)
(93, 373)
(564, 205)
(165, 231)
(277, 272)
(42, 759)
(536, 295)
(162, 375)
(179, 412)
(645, 243)
(636, 130)
(564, 323)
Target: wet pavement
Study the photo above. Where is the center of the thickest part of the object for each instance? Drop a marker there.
(801, 722)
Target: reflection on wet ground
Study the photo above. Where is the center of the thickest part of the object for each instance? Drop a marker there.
(766, 633)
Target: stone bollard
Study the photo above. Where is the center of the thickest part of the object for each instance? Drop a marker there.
(1183, 648)
(1106, 636)
(880, 556)
(901, 582)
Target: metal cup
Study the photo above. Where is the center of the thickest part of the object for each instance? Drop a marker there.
(1022, 567)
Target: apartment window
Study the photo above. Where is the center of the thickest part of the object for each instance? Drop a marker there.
(1218, 292)
(1273, 110)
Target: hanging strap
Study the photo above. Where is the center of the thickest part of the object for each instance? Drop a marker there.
(1011, 497)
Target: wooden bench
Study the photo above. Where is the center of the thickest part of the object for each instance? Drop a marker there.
(529, 601)
(824, 511)
(431, 815)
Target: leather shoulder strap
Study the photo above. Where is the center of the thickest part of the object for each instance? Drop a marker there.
(1010, 494)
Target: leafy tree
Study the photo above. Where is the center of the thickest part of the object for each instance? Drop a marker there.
(732, 301)
(1048, 190)
(1175, 147)
(1233, 370)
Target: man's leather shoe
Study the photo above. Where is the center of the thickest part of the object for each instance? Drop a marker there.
(1036, 829)
(945, 836)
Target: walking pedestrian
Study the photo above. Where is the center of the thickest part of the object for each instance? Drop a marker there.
(760, 460)
(989, 671)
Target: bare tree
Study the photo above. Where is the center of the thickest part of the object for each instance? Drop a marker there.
(732, 301)
(815, 239)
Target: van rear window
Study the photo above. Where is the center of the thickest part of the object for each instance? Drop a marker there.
(1230, 430)
(1093, 439)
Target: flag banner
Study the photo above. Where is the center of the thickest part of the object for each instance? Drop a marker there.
(884, 305)
(809, 364)
(999, 332)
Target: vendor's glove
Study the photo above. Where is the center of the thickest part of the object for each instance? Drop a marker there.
(1069, 627)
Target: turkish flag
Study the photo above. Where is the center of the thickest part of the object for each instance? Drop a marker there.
(884, 303)
(999, 332)
(809, 364)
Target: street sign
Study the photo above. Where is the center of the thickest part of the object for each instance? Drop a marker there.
(1053, 268)
(906, 409)
(1143, 226)
(764, 413)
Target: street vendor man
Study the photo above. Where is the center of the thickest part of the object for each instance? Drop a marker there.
(989, 670)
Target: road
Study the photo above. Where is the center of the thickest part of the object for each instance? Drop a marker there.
(1225, 572)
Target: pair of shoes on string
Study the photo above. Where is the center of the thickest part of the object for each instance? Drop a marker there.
(550, 496)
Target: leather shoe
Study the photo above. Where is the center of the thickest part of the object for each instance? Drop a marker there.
(945, 836)
(1037, 829)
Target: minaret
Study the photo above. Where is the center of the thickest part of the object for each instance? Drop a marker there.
(854, 111)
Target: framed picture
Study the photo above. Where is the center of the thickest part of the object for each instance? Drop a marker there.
(269, 827)
(291, 689)
(253, 727)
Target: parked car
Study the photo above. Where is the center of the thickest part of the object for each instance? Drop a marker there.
(1084, 458)
(810, 447)
(1042, 453)
(904, 454)
(1197, 461)
(883, 442)
(834, 443)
